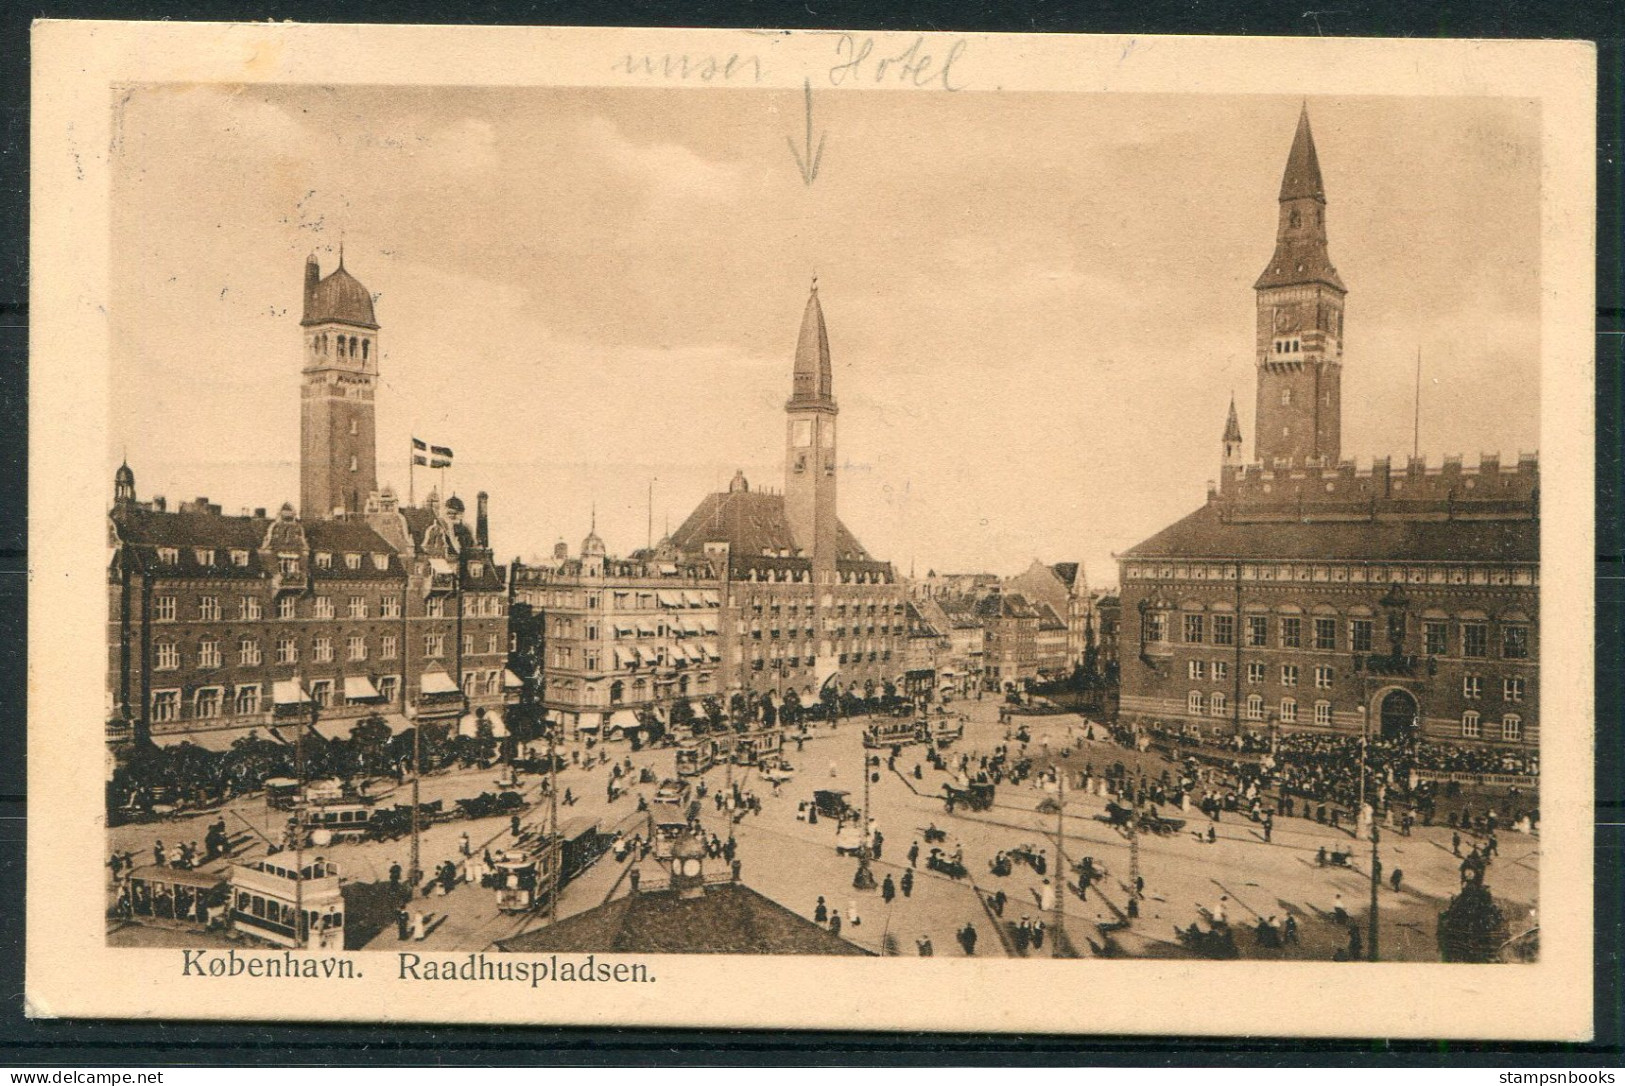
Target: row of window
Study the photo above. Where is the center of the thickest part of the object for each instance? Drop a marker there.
(249, 699)
(252, 608)
(1217, 704)
(1472, 686)
(1338, 574)
(167, 655)
(1321, 634)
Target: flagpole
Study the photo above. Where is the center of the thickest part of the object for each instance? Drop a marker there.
(411, 476)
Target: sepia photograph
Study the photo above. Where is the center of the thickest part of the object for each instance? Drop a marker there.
(556, 528)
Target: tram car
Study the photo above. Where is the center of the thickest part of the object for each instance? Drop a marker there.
(945, 732)
(580, 845)
(893, 733)
(281, 793)
(185, 897)
(336, 821)
(697, 756)
(520, 877)
(266, 897)
(758, 748)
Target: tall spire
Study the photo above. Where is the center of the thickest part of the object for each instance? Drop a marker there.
(813, 381)
(1232, 427)
(1300, 254)
(1302, 177)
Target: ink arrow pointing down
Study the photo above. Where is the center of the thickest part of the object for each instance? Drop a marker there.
(808, 162)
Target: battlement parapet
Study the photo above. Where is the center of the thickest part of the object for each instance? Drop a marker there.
(1450, 483)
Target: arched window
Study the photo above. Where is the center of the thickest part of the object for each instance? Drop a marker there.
(1512, 727)
(1195, 703)
(364, 345)
(1289, 710)
(1469, 725)
(352, 346)
(1255, 707)
(617, 692)
(1217, 704)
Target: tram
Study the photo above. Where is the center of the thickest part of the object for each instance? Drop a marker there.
(697, 756)
(758, 748)
(184, 896)
(267, 895)
(893, 733)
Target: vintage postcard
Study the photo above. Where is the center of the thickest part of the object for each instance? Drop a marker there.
(893, 531)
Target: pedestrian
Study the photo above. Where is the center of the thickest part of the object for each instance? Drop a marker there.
(1395, 879)
(634, 875)
(907, 884)
(1022, 935)
(1211, 836)
(835, 923)
(402, 923)
(1339, 913)
(968, 938)
(888, 890)
(513, 825)
(820, 911)
(735, 866)
(914, 854)
(395, 874)
(1354, 943)
(158, 853)
(880, 840)
(463, 845)
(1038, 934)
(852, 913)
(923, 944)
(1289, 930)
(1269, 827)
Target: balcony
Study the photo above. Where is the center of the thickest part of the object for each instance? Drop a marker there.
(294, 581)
(1394, 665)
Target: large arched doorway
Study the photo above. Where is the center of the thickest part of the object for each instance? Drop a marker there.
(1398, 715)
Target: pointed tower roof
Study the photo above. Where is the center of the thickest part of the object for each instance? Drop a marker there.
(1300, 256)
(1302, 178)
(813, 380)
(1232, 428)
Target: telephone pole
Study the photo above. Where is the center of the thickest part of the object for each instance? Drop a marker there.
(1058, 889)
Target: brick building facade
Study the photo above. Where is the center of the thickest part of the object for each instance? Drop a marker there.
(1310, 593)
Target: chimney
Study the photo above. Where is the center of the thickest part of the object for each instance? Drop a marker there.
(482, 527)
(313, 275)
(259, 512)
(159, 504)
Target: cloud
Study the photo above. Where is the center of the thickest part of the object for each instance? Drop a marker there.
(667, 172)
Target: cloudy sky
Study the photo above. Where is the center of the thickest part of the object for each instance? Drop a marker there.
(1038, 305)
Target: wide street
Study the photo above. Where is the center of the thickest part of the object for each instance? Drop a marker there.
(793, 861)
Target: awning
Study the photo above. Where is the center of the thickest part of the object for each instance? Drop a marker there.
(289, 692)
(692, 599)
(710, 624)
(625, 657)
(510, 680)
(623, 629)
(648, 656)
(623, 719)
(360, 688)
(646, 629)
(438, 682)
(670, 599)
(711, 650)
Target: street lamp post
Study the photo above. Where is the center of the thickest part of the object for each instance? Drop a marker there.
(863, 878)
(415, 867)
(1371, 921)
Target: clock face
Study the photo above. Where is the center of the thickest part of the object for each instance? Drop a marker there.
(691, 867)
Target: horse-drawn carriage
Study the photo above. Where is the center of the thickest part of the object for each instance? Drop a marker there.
(976, 796)
(1150, 821)
(832, 803)
(951, 864)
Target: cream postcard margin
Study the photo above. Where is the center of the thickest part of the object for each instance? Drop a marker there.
(71, 972)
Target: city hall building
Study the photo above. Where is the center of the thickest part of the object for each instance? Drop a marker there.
(1311, 593)
(353, 605)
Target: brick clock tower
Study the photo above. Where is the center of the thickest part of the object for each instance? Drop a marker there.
(1300, 325)
(338, 463)
(809, 459)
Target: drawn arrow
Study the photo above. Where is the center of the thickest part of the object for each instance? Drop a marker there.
(808, 163)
